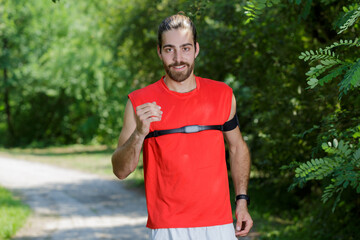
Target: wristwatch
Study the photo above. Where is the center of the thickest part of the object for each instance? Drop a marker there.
(243, 196)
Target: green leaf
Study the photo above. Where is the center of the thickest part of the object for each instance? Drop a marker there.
(312, 82)
(352, 78)
(356, 155)
(324, 146)
(348, 19)
(333, 74)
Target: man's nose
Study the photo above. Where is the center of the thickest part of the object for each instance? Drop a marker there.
(177, 57)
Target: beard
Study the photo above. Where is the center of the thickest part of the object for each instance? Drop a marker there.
(179, 76)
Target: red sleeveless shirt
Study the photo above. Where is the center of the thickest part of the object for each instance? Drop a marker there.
(186, 181)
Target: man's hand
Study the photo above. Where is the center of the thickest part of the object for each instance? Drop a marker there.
(244, 221)
(145, 114)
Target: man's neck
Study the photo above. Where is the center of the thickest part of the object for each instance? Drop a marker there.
(181, 87)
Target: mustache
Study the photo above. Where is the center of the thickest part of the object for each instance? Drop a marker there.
(178, 64)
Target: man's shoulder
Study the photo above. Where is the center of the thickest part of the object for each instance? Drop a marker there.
(210, 83)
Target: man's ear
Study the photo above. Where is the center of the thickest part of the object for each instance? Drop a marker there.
(197, 49)
(159, 51)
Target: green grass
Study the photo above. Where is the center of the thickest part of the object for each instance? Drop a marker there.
(13, 214)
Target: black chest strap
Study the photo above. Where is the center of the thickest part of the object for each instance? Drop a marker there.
(228, 126)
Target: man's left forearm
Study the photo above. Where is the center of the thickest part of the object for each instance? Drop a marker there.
(240, 167)
(240, 172)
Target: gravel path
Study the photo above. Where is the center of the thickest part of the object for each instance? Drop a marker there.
(69, 205)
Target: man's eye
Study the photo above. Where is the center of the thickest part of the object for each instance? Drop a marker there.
(168, 50)
(186, 49)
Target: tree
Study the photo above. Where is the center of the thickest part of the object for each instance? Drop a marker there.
(342, 164)
(56, 77)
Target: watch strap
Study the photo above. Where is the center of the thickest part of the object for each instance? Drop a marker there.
(242, 196)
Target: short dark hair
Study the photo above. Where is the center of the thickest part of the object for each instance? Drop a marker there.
(175, 22)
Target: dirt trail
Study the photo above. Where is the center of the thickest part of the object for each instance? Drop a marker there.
(70, 205)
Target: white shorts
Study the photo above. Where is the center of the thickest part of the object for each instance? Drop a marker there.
(220, 232)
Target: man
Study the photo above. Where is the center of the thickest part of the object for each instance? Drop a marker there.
(181, 121)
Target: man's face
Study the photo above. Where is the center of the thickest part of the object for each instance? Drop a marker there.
(178, 53)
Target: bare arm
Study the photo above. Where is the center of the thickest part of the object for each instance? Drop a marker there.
(240, 172)
(135, 128)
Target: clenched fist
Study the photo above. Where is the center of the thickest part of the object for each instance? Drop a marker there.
(146, 114)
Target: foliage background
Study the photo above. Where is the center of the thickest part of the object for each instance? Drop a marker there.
(66, 70)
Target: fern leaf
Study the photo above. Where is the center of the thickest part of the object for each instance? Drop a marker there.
(332, 74)
(351, 17)
(254, 8)
(337, 200)
(344, 149)
(315, 169)
(356, 155)
(330, 62)
(350, 43)
(328, 193)
(325, 54)
(351, 78)
(314, 72)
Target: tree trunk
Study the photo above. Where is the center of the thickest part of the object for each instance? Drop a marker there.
(6, 97)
